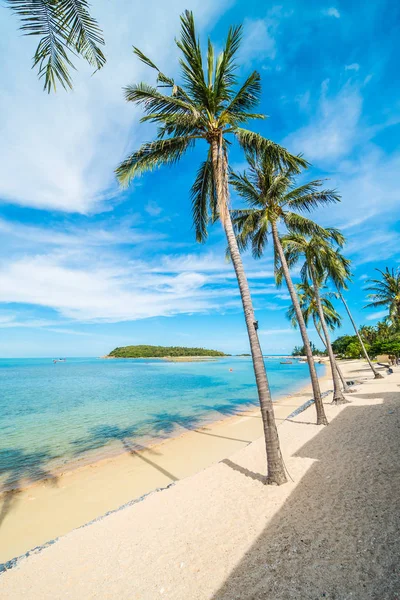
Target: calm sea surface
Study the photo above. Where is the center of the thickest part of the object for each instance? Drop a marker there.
(53, 414)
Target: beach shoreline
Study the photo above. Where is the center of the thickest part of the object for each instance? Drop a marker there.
(86, 490)
(220, 532)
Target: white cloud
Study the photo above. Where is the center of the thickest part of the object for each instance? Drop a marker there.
(87, 286)
(377, 315)
(352, 67)
(332, 132)
(153, 209)
(258, 39)
(332, 12)
(59, 151)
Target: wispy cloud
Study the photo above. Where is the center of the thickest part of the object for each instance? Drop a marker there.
(352, 67)
(332, 132)
(377, 315)
(331, 12)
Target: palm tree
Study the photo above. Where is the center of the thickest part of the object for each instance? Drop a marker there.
(65, 27)
(209, 107)
(340, 273)
(386, 292)
(269, 189)
(318, 257)
(309, 310)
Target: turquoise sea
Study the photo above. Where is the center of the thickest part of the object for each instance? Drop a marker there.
(75, 411)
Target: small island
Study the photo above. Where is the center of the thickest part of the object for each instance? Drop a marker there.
(173, 353)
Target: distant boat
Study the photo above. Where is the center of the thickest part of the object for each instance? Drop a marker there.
(286, 362)
(56, 360)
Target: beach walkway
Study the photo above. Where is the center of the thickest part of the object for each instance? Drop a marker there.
(333, 532)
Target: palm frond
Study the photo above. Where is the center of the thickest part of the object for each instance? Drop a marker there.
(204, 199)
(65, 27)
(225, 78)
(308, 201)
(192, 62)
(84, 33)
(244, 187)
(151, 156)
(251, 141)
(301, 225)
(246, 98)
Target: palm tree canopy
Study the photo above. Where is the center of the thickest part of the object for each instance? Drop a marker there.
(309, 308)
(65, 27)
(317, 250)
(207, 104)
(386, 292)
(269, 189)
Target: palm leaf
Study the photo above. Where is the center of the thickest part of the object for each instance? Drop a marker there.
(204, 200)
(151, 156)
(65, 27)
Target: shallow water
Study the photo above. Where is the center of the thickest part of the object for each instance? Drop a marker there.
(53, 414)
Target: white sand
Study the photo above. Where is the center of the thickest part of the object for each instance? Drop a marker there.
(221, 534)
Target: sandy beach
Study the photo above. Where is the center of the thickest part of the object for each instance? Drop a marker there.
(219, 532)
(39, 512)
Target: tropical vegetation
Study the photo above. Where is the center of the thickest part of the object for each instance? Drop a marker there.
(300, 350)
(273, 200)
(386, 293)
(144, 351)
(208, 105)
(310, 310)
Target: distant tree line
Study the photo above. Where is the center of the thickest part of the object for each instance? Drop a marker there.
(161, 352)
(301, 351)
(379, 339)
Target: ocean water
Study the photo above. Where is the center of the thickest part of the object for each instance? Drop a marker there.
(57, 415)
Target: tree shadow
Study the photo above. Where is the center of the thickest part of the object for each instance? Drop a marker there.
(101, 435)
(19, 469)
(244, 471)
(336, 536)
(229, 408)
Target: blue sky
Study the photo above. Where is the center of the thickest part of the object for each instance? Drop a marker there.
(85, 267)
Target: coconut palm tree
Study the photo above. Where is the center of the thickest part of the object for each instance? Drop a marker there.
(340, 274)
(318, 255)
(309, 310)
(386, 292)
(65, 28)
(274, 200)
(209, 107)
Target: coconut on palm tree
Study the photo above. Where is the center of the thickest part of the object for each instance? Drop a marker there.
(310, 311)
(340, 274)
(209, 107)
(274, 200)
(386, 292)
(318, 255)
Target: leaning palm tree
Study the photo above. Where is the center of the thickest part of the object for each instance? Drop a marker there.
(340, 274)
(317, 252)
(274, 200)
(309, 310)
(209, 107)
(65, 28)
(386, 292)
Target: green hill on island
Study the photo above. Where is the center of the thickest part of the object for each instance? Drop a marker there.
(161, 352)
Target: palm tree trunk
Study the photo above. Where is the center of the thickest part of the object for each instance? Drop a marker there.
(275, 465)
(345, 387)
(321, 417)
(338, 397)
(375, 372)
